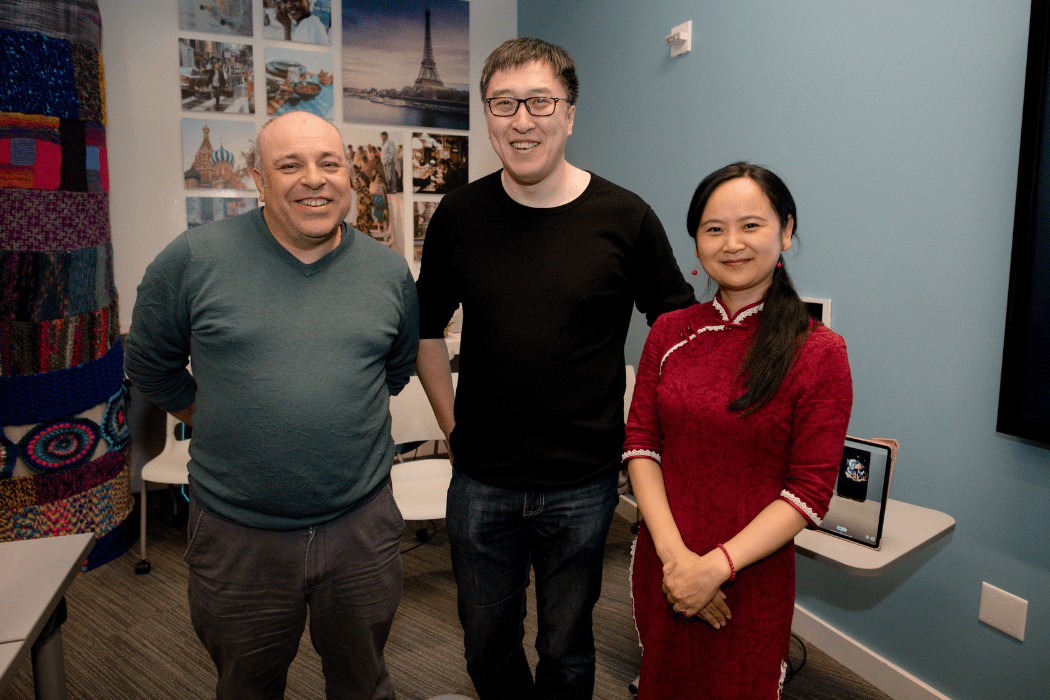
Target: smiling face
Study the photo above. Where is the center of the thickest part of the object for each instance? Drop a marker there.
(531, 148)
(296, 9)
(302, 177)
(739, 241)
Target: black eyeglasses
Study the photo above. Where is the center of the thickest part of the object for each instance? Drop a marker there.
(536, 106)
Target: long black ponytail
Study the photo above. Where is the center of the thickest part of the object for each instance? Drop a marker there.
(785, 322)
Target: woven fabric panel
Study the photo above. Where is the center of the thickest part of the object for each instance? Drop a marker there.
(44, 286)
(30, 151)
(48, 153)
(36, 398)
(50, 221)
(98, 510)
(87, 70)
(45, 82)
(32, 347)
(75, 20)
(40, 489)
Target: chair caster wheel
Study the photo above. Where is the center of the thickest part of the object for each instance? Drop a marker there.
(422, 535)
(143, 567)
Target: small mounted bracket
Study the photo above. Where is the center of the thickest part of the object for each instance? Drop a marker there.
(681, 39)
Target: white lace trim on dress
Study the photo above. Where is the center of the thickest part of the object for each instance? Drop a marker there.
(655, 456)
(680, 344)
(750, 312)
(725, 315)
(801, 505)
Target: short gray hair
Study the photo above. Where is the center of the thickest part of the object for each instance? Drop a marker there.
(255, 150)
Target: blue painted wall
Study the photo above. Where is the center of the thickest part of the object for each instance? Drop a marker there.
(896, 125)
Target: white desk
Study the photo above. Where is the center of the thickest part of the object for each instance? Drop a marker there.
(907, 529)
(34, 575)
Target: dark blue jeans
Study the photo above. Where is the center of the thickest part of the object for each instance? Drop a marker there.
(496, 535)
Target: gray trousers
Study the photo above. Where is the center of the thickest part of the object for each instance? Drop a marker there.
(250, 591)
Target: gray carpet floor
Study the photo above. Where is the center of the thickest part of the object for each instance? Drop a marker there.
(129, 636)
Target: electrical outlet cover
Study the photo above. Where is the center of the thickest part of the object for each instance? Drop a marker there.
(1003, 611)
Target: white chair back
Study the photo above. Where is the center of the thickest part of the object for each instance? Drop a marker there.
(628, 393)
(412, 418)
(420, 486)
(169, 467)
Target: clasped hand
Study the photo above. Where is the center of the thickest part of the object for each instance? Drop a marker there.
(693, 586)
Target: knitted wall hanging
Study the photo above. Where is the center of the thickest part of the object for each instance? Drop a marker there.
(63, 428)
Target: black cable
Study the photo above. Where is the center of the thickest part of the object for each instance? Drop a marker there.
(792, 670)
(426, 536)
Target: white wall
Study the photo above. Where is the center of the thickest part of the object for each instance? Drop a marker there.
(140, 56)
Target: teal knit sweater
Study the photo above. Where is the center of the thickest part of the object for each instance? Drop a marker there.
(293, 366)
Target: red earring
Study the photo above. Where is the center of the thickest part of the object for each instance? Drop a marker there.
(778, 264)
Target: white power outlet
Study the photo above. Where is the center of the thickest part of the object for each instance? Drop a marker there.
(1003, 611)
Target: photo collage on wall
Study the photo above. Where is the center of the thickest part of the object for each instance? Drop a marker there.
(397, 71)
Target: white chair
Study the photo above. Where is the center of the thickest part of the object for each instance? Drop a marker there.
(420, 485)
(169, 467)
(628, 393)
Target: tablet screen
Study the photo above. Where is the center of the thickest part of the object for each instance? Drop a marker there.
(858, 504)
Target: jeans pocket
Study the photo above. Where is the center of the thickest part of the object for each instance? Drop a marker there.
(194, 536)
(388, 492)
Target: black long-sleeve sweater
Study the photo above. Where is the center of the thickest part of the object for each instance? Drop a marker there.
(547, 299)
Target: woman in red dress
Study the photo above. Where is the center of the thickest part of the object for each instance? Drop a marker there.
(733, 445)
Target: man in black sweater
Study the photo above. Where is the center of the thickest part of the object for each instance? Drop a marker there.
(548, 261)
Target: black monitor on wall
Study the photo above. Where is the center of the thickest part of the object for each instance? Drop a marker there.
(1024, 391)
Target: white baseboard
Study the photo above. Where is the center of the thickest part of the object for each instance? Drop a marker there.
(887, 677)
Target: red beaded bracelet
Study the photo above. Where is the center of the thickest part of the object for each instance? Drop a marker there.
(732, 569)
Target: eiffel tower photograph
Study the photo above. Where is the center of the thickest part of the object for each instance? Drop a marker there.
(407, 63)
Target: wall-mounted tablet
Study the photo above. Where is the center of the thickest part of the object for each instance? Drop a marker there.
(819, 309)
(858, 504)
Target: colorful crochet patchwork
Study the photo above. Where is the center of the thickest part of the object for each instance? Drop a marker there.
(45, 81)
(38, 489)
(43, 286)
(8, 455)
(41, 397)
(31, 220)
(98, 510)
(96, 164)
(60, 353)
(33, 347)
(60, 446)
(30, 151)
(47, 153)
(74, 20)
(87, 67)
(115, 423)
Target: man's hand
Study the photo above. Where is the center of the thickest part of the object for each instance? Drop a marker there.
(186, 414)
(284, 20)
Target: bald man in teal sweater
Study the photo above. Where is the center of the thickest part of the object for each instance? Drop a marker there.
(299, 329)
